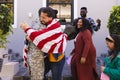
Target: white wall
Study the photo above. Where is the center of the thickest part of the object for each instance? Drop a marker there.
(118, 2)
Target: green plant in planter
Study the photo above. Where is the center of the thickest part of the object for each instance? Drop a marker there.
(114, 20)
(6, 20)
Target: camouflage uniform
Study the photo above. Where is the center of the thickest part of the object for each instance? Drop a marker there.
(35, 58)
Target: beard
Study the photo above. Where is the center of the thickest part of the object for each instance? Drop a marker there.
(43, 23)
(83, 15)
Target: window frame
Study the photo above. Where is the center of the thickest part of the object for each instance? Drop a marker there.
(72, 9)
(14, 2)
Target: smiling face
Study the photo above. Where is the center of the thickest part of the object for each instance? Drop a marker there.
(83, 13)
(44, 18)
(79, 23)
(110, 42)
(110, 45)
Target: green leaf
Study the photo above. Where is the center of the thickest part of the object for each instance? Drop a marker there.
(114, 20)
(6, 20)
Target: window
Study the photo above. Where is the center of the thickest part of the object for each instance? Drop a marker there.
(65, 9)
(10, 3)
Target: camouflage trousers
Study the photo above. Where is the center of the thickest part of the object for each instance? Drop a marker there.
(36, 66)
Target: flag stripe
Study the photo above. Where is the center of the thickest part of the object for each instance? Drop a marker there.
(48, 45)
(50, 28)
(43, 36)
(51, 39)
(47, 42)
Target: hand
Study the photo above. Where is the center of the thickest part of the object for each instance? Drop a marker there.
(82, 60)
(102, 68)
(71, 53)
(27, 37)
(24, 26)
(98, 21)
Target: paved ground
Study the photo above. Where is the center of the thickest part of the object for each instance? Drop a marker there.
(66, 73)
(23, 74)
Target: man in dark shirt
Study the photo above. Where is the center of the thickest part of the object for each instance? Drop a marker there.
(83, 13)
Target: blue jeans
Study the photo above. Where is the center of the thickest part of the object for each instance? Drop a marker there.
(55, 67)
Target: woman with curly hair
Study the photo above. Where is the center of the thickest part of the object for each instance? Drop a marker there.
(83, 63)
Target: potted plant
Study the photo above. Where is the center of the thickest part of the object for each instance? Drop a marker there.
(114, 20)
(6, 20)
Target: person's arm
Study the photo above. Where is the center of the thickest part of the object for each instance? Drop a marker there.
(24, 26)
(87, 40)
(70, 31)
(95, 26)
(113, 72)
(28, 31)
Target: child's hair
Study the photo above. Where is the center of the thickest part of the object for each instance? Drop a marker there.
(116, 41)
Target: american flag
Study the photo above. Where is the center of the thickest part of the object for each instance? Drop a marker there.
(49, 40)
(25, 52)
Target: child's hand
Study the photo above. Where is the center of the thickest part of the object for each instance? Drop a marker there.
(102, 68)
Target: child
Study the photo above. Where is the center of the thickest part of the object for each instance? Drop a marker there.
(112, 62)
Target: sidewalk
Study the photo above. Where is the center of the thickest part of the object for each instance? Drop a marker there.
(23, 74)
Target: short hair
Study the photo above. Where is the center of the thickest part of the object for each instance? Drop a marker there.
(85, 8)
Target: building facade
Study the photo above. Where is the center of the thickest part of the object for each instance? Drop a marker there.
(27, 11)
